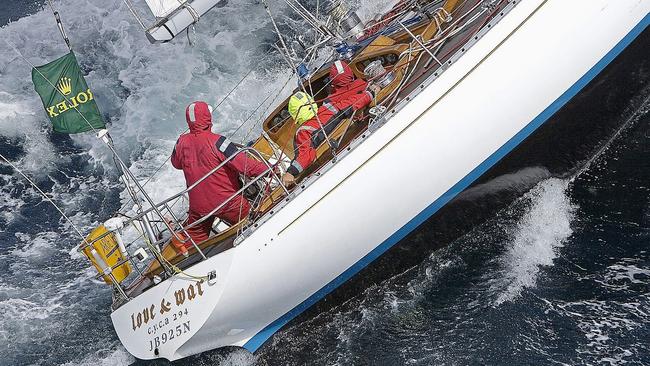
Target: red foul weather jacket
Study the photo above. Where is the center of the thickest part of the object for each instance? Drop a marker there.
(344, 85)
(200, 151)
(349, 96)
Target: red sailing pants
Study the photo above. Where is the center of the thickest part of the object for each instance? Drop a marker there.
(237, 208)
(306, 153)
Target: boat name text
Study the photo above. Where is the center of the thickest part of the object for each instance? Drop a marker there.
(149, 313)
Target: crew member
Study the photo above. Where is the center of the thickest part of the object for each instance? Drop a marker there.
(309, 133)
(197, 153)
(343, 82)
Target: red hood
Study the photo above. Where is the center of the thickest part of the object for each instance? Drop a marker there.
(341, 74)
(198, 117)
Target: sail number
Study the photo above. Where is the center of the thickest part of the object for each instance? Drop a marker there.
(168, 335)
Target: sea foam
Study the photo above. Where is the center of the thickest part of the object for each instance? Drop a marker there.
(538, 235)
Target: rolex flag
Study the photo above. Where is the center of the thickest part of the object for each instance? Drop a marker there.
(68, 101)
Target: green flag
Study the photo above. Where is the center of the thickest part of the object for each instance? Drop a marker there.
(66, 96)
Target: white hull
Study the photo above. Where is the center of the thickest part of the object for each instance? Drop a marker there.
(504, 87)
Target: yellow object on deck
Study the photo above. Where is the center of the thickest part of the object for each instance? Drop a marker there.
(105, 253)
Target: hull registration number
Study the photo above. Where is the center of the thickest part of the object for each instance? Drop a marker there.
(168, 335)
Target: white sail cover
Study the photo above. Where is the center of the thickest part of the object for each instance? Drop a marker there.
(161, 8)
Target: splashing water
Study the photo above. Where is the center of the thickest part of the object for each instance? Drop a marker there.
(445, 311)
(535, 240)
(47, 301)
(142, 91)
(449, 296)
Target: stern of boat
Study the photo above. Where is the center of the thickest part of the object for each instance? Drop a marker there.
(160, 320)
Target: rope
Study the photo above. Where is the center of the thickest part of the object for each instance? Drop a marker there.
(170, 266)
(46, 197)
(293, 67)
(399, 9)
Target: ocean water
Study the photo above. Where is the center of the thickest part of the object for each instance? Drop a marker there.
(561, 276)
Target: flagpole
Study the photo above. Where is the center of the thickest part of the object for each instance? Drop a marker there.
(103, 135)
(60, 25)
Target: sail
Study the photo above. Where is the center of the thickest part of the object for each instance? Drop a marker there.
(174, 22)
(162, 8)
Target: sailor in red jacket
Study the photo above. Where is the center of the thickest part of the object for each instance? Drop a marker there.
(349, 95)
(197, 153)
(343, 82)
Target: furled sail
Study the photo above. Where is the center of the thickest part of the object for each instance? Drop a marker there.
(162, 8)
(174, 16)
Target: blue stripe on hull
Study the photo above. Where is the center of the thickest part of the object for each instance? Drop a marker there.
(254, 343)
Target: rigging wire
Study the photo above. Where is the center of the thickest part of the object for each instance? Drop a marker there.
(293, 67)
(115, 155)
(59, 24)
(46, 197)
(219, 104)
(216, 107)
(106, 139)
(277, 95)
(249, 117)
(135, 14)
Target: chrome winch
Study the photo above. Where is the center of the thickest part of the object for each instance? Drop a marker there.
(346, 22)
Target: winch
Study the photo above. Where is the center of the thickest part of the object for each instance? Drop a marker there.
(346, 22)
(376, 72)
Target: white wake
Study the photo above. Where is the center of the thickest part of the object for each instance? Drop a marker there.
(535, 240)
(142, 91)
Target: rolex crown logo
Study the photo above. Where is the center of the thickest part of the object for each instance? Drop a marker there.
(65, 85)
